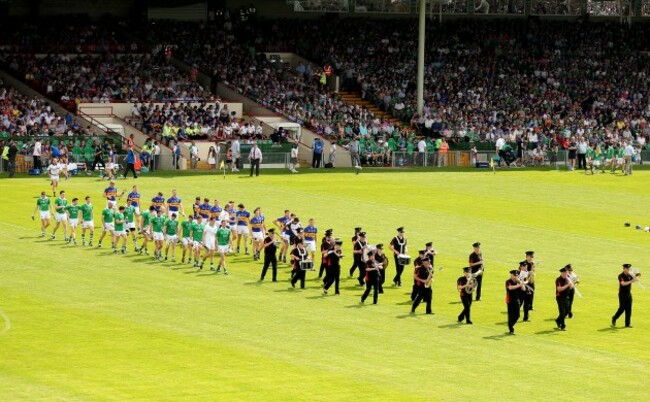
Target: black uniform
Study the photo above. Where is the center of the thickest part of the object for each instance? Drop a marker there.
(569, 310)
(417, 263)
(399, 244)
(358, 260)
(562, 299)
(383, 260)
(624, 299)
(473, 258)
(334, 269)
(424, 293)
(324, 263)
(99, 157)
(372, 281)
(513, 298)
(298, 273)
(466, 299)
(527, 299)
(530, 266)
(270, 258)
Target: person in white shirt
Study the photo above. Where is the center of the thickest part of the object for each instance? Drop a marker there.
(422, 150)
(332, 156)
(54, 169)
(37, 155)
(210, 241)
(255, 158)
(499, 145)
(156, 156)
(235, 154)
(628, 154)
(194, 155)
(293, 158)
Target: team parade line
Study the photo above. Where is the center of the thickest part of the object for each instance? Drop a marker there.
(213, 232)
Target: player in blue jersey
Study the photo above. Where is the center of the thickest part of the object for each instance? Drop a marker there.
(158, 202)
(204, 209)
(110, 193)
(174, 205)
(243, 217)
(309, 234)
(215, 212)
(258, 230)
(133, 199)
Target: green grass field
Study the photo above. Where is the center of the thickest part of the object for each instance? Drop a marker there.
(83, 324)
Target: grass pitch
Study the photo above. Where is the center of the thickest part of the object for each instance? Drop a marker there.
(83, 324)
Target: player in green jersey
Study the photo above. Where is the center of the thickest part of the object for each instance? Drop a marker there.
(197, 238)
(129, 217)
(44, 206)
(171, 235)
(72, 212)
(108, 224)
(224, 243)
(186, 237)
(157, 224)
(87, 222)
(145, 226)
(60, 217)
(120, 229)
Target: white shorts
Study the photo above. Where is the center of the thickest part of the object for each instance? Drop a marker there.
(158, 236)
(223, 249)
(171, 238)
(54, 177)
(45, 214)
(109, 227)
(130, 225)
(112, 202)
(209, 244)
(60, 217)
(186, 241)
(620, 161)
(197, 244)
(88, 225)
(145, 231)
(109, 166)
(258, 236)
(137, 210)
(120, 233)
(74, 223)
(596, 162)
(310, 245)
(242, 230)
(178, 214)
(286, 237)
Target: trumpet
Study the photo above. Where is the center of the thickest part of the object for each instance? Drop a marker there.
(636, 274)
(523, 279)
(575, 280)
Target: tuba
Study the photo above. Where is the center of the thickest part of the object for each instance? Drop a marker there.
(525, 277)
(427, 284)
(472, 282)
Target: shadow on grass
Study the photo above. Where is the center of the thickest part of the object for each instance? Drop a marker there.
(498, 337)
(288, 290)
(454, 325)
(548, 332)
(321, 296)
(404, 303)
(455, 302)
(410, 315)
(360, 305)
(256, 283)
(609, 329)
(501, 323)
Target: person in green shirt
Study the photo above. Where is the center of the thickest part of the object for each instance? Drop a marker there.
(43, 205)
(145, 225)
(186, 237)
(171, 232)
(224, 243)
(120, 229)
(591, 158)
(197, 237)
(129, 217)
(108, 225)
(87, 222)
(60, 217)
(157, 224)
(72, 213)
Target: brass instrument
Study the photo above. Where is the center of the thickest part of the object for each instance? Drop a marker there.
(635, 273)
(430, 271)
(367, 249)
(524, 279)
(472, 282)
(575, 279)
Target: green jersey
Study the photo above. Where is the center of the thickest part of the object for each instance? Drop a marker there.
(119, 221)
(590, 153)
(610, 153)
(87, 212)
(60, 204)
(107, 214)
(43, 204)
(187, 226)
(223, 236)
(146, 218)
(73, 211)
(158, 222)
(620, 152)
(197, 231)
(171, 227)
(129, 213)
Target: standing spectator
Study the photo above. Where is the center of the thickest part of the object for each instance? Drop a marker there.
(293, 158)
(332, 156)
(499, 149)
(354, 152)
(628, 154)
(582, 153)
(255, 158)
(36, 153)
(11, 156)
(130, 162)
(422, 151)
(156, 156)
(444, 150)
(235, 154)
(212, 158)
(573, 149)
(176, 156)
(194, 155)
(98, 152)
(318, 153)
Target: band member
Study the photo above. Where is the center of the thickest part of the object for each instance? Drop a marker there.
(398, 246)
(531, 276)
(513, 289)
(562, 286)
(417, 263)
(382, 259)
(298, 255)
(476, 263)
(333, 276)
(270, 248)
(625, 281)
(465, 297)
(423, 277)
(357, 230)
(572, 290)
(526, 293)
(430, 253)
(325, 246)
(357, 254)
(372, 278)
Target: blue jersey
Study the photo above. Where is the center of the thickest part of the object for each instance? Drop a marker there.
(215, 211)
(134, 199)
(242, 217)
(309, 233)
(257, 223)
(174, 204)
(284, 220)
(232, 217)
(111, 193)
(204, 210)
(158, 202)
